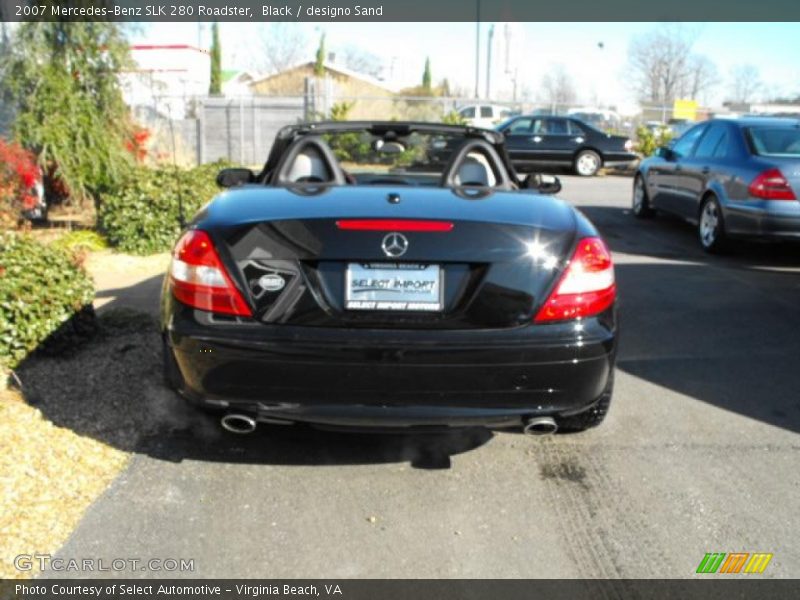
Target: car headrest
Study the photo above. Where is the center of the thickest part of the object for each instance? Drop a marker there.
(476, 163)
(308, 165)
(475, 170)
(308, 160)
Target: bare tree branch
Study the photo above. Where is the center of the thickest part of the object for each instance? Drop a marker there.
(745, 82)
(663, 67)
(361, 61)
(282, 45)
(558, 87)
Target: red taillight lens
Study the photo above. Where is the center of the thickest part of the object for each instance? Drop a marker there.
(198, 278)
(393, 225)
(771, 185)
(587, 286)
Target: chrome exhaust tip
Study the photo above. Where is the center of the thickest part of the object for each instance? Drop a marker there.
(539, 426)
(238, 423)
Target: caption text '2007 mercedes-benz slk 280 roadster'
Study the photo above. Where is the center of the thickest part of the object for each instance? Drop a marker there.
(363, 280)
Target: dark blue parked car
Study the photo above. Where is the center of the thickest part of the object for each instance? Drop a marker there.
(732, 178)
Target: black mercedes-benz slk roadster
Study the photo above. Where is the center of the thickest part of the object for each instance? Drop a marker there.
(364, 280)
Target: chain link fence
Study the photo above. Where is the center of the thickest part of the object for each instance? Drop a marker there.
(201, 129)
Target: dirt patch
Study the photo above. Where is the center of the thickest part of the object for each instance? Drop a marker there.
(72, 427)
(39, 505)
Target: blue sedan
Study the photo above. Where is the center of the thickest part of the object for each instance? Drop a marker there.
(736, 178)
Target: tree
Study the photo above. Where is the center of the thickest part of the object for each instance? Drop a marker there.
(62, 79)
(361, 61)
(701, 77)
(663, 67)
(426, 75)
(319, 64)
(558, 86)
(215, 87)
(745, 82)
(283, 45)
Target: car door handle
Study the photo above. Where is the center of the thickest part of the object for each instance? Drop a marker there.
(536, 139)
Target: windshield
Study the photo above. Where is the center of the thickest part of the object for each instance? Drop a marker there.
(775, 141)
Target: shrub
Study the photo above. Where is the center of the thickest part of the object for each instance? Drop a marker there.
(78, 244)
(454, 118)
(648, 140)
(45, 299)
(18, 174)
(142, 216)
(81, 240)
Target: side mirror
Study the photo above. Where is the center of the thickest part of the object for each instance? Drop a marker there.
(665, 153)
(544, 184)
(233, 177)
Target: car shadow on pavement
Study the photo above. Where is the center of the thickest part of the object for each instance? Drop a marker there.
(110, 388)
(669, 237)
(719, 329)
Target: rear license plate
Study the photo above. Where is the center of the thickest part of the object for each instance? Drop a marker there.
(389, 286)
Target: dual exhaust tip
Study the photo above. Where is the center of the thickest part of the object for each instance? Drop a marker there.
(539, 426)
(238, 423)
(244, 424)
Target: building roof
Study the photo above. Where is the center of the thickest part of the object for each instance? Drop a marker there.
(168, 47)
(329, 66)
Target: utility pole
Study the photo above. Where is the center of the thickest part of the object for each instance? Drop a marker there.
(477, 48)
(489, 63)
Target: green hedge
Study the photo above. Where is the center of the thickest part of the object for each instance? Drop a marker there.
(142, 216)
(45, 299)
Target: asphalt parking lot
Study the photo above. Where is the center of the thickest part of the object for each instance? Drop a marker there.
(700, 453)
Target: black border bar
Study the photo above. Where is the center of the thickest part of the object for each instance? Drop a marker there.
(399, 10)
(709, 587)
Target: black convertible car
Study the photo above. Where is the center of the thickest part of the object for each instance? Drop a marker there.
(361, 281)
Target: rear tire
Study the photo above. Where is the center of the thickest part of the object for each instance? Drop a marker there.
(711, 227)
(592, 417)
(587, 163)
(641, 201)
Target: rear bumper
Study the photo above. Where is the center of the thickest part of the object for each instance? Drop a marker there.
(357, 377)
(769, 219)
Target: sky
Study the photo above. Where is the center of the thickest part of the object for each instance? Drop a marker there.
(600, 74)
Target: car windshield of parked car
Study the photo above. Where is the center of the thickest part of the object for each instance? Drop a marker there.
(775, 141)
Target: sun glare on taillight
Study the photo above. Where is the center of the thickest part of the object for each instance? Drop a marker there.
(198, 277)
(771, 185)
(587, 286)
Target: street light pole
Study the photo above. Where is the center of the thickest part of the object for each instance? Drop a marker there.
(489, 63)
(477, 48)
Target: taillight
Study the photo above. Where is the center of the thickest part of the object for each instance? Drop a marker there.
(587, 286)
(771, 185)
(198, 278)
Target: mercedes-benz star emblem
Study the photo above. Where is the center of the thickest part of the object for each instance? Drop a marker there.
(394, 245)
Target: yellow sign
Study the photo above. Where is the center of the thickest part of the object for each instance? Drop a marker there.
(684, 109)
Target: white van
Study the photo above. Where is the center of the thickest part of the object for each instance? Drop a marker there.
(484, 115)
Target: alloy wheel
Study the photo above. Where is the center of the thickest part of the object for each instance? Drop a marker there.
(587, 164)
(709, 224)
